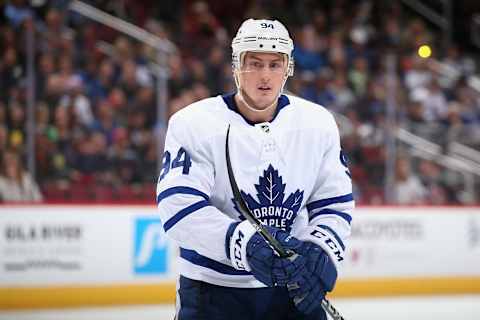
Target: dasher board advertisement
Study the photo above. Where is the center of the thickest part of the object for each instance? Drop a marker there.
(414, 242)
(83, 245)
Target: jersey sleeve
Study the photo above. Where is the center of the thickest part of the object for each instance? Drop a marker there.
(184, 187)
(331, 203)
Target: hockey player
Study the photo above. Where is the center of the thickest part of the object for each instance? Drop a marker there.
(286, 158)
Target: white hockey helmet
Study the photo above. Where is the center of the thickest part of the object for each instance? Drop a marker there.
(262, 36)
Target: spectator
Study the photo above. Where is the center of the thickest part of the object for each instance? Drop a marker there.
(344, 96)
(3, 138)
(417, 74)
(431, 177)
(17, 11)
(120, 154)
(179, 77)
(200, 26)
(99, 87)
(214, 66)
(106, 121)
(16, 184)
(46, 68)
(16, 124)
(11, 71)
(359, 76)
(337, 55)
(54, 32)
(408, 189)
(435, 104)
(324, 94)
(309, 53)
(92, 158)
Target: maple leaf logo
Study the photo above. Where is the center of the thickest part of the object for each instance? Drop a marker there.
(271, 209)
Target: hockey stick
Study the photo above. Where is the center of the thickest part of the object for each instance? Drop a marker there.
(272, 242)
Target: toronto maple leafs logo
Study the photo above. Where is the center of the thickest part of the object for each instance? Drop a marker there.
(271, 209)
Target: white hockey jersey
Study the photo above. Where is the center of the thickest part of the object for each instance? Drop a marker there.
(291, 172)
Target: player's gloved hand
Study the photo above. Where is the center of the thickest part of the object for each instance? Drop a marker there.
(321, 274)
(268, 267)
(319, 263)
(249, 251)
(308, 299)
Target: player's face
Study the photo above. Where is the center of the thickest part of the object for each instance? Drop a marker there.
(261, 77)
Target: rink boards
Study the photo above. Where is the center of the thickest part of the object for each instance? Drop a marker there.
(59, 256)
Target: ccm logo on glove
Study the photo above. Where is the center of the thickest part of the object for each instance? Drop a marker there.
(320, 234)
(237, 251)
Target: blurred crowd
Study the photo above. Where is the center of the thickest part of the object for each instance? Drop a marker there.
(97, 131)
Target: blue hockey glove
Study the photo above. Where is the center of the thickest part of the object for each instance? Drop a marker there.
(249, 251)
(268, 267)
(321, 275)
(320, 264)
(308, 299)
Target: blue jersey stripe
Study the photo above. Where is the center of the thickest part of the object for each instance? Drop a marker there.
(199, 260)
(230, 231)
(180, 190)
(334, 234)
(185, 212)
(341, 214)
(326, 202)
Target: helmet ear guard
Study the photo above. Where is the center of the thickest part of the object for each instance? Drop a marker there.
(262, 36)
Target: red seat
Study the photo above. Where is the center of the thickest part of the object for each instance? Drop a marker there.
(79, 192)
(102, 194)
(53, 192)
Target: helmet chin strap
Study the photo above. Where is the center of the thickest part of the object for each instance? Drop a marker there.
(243, 96)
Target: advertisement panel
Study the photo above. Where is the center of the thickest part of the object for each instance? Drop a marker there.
(414, 242)
(70, 256)
(67, 245)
